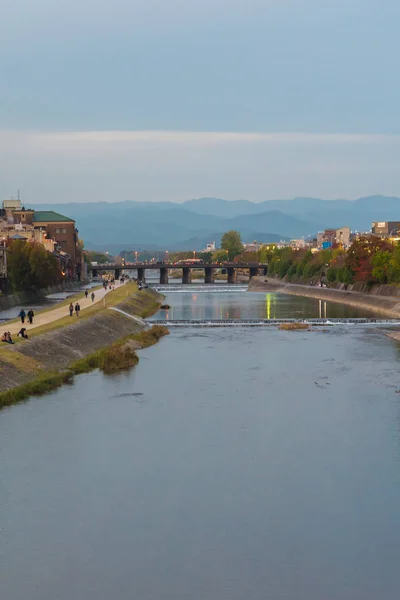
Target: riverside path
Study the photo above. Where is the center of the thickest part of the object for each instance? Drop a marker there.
(49, 316)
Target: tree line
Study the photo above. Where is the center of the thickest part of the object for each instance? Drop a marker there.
(369, 260)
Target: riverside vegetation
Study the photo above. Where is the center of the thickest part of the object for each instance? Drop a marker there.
(369, 260)
(59, 351)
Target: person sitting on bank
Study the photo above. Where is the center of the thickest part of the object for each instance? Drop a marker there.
(22, 333)
(7, 338)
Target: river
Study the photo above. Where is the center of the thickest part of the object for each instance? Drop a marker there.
(230, 464)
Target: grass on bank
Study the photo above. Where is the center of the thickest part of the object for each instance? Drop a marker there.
(119, 355)
(39, 386)
(23, 362)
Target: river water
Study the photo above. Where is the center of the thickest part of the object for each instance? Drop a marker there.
(230, 464)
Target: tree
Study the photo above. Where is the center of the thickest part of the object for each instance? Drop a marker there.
(359, 256)
(380, 265)
(205, 256)
(231, 241)
(331, 274)
(30, 266)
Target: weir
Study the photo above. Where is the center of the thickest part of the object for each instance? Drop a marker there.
(271, 322)
(133, 317)
(221, 288)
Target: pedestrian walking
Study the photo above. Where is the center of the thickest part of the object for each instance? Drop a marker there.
(92, 296)
(86, 293)
(71, 309)
(77, 309)
(22, 315)
(30, 316)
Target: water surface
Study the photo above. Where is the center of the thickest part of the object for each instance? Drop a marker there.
(230, 464)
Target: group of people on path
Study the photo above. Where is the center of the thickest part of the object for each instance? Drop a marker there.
(77, 307)
(23, 315)
(110, 284)
(92, 295)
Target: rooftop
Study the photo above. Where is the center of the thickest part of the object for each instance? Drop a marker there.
(49, 216)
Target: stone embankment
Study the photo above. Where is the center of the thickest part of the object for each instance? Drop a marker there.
(382, 299)
(55, 351)
(10, 300)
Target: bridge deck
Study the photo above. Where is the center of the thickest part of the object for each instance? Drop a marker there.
(172, 266)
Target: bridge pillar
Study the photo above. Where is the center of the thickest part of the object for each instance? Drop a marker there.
(3, 285)
(253, 272)
(164, 275)
(208, 275)
(94, 273)
(186, 275)
(232, 275)
(117, 274)
(141, 274)
(265, 271)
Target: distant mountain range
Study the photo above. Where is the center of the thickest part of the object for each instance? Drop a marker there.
(190, 226)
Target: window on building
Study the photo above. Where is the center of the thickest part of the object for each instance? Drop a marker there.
(63, 230)
(58, 230)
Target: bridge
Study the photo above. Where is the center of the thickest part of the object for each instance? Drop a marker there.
(209, 268)
(269, 322)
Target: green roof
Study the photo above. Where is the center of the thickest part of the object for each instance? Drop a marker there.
(50, 216)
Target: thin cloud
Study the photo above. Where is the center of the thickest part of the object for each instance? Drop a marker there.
(197, 137)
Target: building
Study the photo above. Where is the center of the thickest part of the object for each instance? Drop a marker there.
(54, 231)
(298, 244)
(334, 237)
(252, 246)
(386, 228)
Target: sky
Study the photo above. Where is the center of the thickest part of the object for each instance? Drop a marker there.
(170, 100)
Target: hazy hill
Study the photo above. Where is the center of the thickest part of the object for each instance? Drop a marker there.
(168, 225)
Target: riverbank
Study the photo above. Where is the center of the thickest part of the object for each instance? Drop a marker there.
(58, 351)
(378, 300)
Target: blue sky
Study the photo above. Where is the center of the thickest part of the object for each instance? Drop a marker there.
(188, 67)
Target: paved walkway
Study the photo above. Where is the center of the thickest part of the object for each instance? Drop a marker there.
(55, 314)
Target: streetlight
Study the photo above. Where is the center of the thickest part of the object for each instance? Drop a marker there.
(166, 256)
(136, 256)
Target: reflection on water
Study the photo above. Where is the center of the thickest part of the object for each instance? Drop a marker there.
(231, 464)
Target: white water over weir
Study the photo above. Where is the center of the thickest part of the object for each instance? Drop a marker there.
(270, 322)
(200, 289)
(133, 317)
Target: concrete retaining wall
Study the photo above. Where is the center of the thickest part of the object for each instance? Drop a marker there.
(379, 300)
(10, 300)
